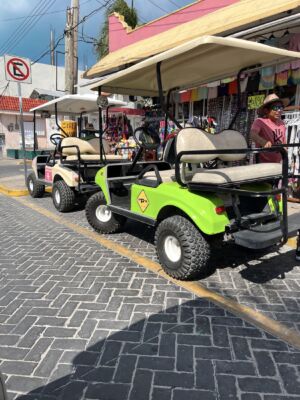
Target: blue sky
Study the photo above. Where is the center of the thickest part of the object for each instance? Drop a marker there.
(30, 36)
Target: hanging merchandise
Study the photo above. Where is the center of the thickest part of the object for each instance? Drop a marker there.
(253, 83)
(267, 78)
(195, 95)
(212, 92)
(233, 87)
(185, 96)
(222, 90)
(281, 78)
(203, 92)
(243, 84)
(295, 76)
(254, 102)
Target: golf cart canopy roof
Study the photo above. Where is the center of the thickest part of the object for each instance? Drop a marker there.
(76, 104)
(199, 61)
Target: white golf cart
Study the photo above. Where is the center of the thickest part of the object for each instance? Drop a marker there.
(71, 167)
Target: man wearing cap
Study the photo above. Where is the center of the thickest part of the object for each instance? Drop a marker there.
(269, 129)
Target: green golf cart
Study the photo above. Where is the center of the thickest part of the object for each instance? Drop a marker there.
(188, 204)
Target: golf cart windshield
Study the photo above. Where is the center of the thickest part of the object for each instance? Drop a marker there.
(191, 64)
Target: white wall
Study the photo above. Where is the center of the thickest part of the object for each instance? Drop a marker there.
(43, 77)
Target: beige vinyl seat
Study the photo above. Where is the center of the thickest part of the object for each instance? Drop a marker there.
(196, 139)
(89, 149)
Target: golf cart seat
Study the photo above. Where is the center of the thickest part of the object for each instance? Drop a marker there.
(190, 139)
(89, 149)
(94, 157)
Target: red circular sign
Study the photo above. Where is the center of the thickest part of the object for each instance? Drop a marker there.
(18, 69)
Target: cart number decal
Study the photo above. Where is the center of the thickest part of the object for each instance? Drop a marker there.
(143, 201)
(48, 174)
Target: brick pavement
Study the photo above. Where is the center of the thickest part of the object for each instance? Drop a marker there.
(81, 322)
(268, 281)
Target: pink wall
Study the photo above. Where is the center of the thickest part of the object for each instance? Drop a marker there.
(118, 37)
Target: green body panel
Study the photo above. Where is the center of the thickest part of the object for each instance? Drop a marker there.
(200, 208)
(100, 179)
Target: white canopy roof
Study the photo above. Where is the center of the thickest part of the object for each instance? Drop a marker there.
(76, 104)
(202, 60)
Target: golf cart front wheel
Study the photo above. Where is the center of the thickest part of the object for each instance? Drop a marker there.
(63, 196)
(100, 216)
(182, 250)
(34, 187)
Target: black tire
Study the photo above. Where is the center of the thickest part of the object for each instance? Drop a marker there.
(34, 187)
(110, 223)
(63, 196)
(193, 252)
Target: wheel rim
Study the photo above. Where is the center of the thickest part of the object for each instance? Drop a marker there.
(31, 185)
(57, 196)
(172, 248)
(103, 213)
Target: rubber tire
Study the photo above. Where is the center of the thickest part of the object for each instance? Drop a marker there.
(115, 223)
(67, 196)
(38, 189)
(195, 251)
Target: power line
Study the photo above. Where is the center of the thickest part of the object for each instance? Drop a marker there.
(37, 15)
(25, 27)
(4, 90)
(21, 26)
(157, 6)
(82, 20)
(173, 2)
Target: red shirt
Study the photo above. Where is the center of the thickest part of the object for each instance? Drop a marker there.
(274, 132)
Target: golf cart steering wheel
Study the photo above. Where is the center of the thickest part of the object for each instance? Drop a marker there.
(146, 138)
(56, 138)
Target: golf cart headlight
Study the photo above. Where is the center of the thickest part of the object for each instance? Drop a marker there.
(76, 178)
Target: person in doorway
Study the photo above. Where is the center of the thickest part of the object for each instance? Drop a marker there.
(269, 129)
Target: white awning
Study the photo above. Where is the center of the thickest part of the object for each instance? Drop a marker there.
(202, 60)
(76, 104)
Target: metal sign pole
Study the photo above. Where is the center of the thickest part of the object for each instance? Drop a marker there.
(22, 130)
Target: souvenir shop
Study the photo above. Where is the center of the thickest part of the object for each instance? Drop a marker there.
(119, 125)
(214, 106)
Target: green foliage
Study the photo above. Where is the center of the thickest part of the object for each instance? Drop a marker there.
(130, 17)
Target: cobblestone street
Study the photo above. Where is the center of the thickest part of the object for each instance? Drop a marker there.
(79, 321)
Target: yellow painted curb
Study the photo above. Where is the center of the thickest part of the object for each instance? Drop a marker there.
(13, 192)
(292, 242)
(246, 313)
(21, 162)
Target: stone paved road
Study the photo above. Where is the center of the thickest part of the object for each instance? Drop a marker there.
(81, 322)
(268, 281)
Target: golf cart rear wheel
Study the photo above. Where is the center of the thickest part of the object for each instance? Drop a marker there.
(100, 216)
(34, 187)
(182, 250)
(63, 196)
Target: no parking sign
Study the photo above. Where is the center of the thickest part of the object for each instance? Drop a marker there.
(17, 69)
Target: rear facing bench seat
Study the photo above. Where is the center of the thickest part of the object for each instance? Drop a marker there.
(190, 139)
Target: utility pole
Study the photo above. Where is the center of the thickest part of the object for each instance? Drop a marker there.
(69, 54)
(75, 20)
(52, 56)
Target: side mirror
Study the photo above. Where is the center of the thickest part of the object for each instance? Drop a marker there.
(146, 138)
